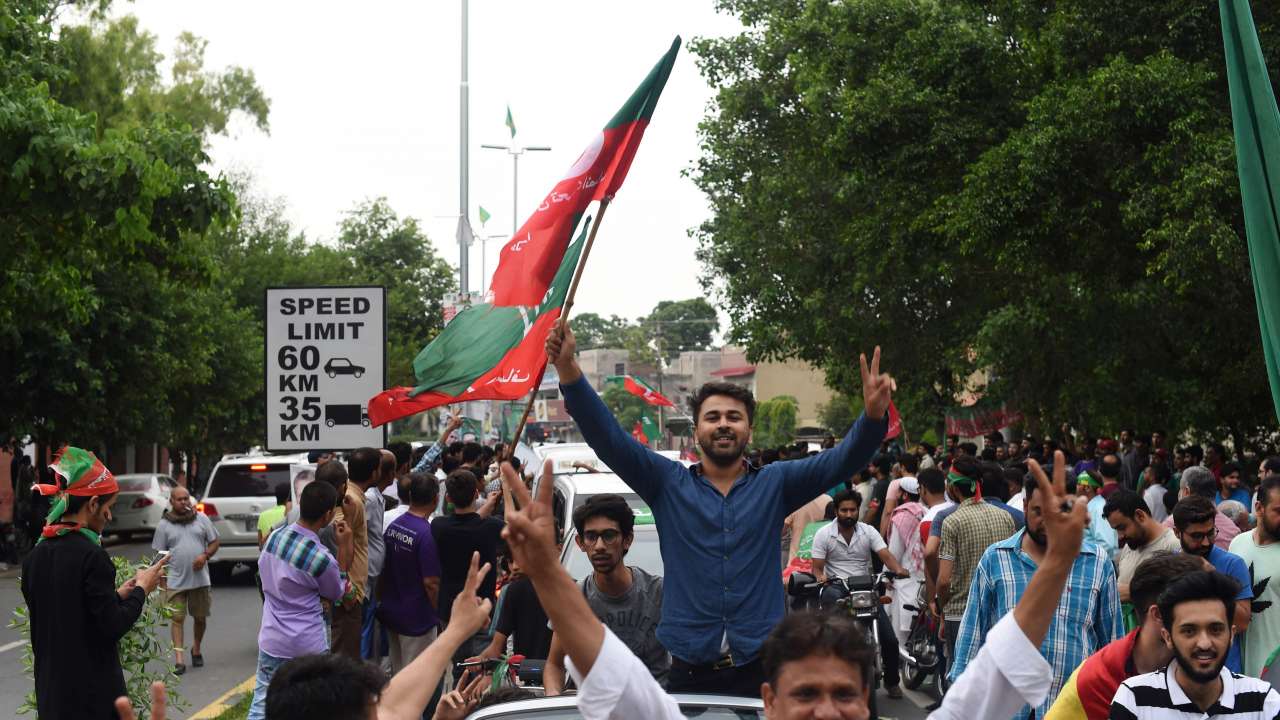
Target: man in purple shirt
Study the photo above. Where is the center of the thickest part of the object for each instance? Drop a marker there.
(410, 579)
(297, 571)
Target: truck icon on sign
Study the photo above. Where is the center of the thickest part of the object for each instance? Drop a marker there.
(342, 366)
(346, 415)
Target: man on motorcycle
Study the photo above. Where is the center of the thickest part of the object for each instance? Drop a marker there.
(843, 550)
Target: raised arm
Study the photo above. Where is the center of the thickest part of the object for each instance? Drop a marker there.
(803, 479)
(638, 466)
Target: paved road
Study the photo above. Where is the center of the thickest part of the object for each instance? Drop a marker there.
(230, 647)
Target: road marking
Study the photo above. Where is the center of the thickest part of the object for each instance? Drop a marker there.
(228, 698)
(10, 646)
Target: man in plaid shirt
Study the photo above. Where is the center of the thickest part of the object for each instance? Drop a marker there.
(966, 533)
(1088, 615)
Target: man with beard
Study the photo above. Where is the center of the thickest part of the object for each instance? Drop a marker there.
(1260, 550)
(720, 519)
(1087, 617)
(626, 599)
(1199, 481)
(1196, 611)
(1139, 535)
(191, 540)
(77, 613)
(1088, 692)
(842, 550)
(1193, 519)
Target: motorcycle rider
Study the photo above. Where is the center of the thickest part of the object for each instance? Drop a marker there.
(843, 550)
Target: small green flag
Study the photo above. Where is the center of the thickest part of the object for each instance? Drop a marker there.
(484, 216)
(511, 124)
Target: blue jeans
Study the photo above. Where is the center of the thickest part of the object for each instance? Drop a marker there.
(267, 666)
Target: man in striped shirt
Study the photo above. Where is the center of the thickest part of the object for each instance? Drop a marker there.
(1088, 615)
(1196, 611)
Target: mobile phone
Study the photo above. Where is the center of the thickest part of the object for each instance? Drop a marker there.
(160, 555)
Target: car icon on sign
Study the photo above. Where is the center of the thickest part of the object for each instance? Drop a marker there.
(342, 366)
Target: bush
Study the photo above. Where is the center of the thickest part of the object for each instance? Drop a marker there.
(139, 648)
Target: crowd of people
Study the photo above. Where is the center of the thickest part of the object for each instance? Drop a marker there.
(1128, 585)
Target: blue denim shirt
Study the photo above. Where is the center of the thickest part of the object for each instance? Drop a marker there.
(721, 553)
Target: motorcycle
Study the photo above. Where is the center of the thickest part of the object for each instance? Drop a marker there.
(922, 654)
(864, 594)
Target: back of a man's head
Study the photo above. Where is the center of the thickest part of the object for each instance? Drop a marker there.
(362, 463)
(460, 486)
(403, 452)
(332, 474)
(1155, 573)
(1110, 467)
(423, 489)
(815, 634)
(317, 499)
(1199, 480)
(471, 453)
(329, 686)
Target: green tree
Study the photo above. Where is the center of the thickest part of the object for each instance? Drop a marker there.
(386, 249)
(1042, 191)
(595, 331)
(775, 421)
(113, 71)
(838, 414)
(680, 325)
(627, 408)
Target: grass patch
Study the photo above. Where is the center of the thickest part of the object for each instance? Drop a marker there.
(240, 710)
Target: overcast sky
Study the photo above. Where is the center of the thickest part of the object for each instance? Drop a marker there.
(364, 103)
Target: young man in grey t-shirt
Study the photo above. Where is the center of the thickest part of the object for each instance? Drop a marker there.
(627, 600)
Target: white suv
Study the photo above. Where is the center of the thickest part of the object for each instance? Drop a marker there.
(240, 489)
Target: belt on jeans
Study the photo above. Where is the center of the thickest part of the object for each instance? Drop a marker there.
(723, 663)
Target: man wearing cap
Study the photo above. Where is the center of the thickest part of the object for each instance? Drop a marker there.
(907, 547)
(1099, 532)
(77, 614)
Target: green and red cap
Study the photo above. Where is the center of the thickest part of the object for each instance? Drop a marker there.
(76, 472)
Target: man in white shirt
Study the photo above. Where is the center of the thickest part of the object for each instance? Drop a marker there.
(809, 680)
(842, 550)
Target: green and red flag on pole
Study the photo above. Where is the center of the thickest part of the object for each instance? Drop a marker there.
(530, 259)
(640, 389)
(980, 418)
(895, 423)
(1256, 120)
(485, 353)
(646, 430)
(494, 351)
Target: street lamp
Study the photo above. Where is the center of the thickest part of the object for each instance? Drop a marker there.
(516, 152)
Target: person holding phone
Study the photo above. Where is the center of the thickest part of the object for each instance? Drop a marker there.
(77, 613)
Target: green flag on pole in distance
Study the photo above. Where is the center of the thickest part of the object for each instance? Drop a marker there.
(511, 124)
(484, 216)
(1257, 133)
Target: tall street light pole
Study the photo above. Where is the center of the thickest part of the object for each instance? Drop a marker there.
(464, 224)
(515, 152)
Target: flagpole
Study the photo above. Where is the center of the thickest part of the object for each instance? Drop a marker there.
(564, 317)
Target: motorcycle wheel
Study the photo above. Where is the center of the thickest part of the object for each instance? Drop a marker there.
(913, 676)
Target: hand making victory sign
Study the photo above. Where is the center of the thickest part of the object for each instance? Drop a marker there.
(876, 386)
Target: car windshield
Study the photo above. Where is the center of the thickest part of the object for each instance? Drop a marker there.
(248, 480)
(134, 484)
(644, 554)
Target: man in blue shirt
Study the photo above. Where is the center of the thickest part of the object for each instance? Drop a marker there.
(720, 520)
(1194, 520)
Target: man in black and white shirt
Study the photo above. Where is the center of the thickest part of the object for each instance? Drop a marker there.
(842, 550)
(1196, 610)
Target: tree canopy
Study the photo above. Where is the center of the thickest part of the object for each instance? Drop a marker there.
(1043, 192)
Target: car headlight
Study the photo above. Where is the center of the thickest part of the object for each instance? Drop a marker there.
(862, 600)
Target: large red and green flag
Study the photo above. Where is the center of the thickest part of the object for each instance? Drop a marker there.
(645, 431)
(486, 353)
(530, 259)
(1256, 120)
(640, 389)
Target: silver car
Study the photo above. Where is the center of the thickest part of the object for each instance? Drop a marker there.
(564, 707)
(142, 501)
